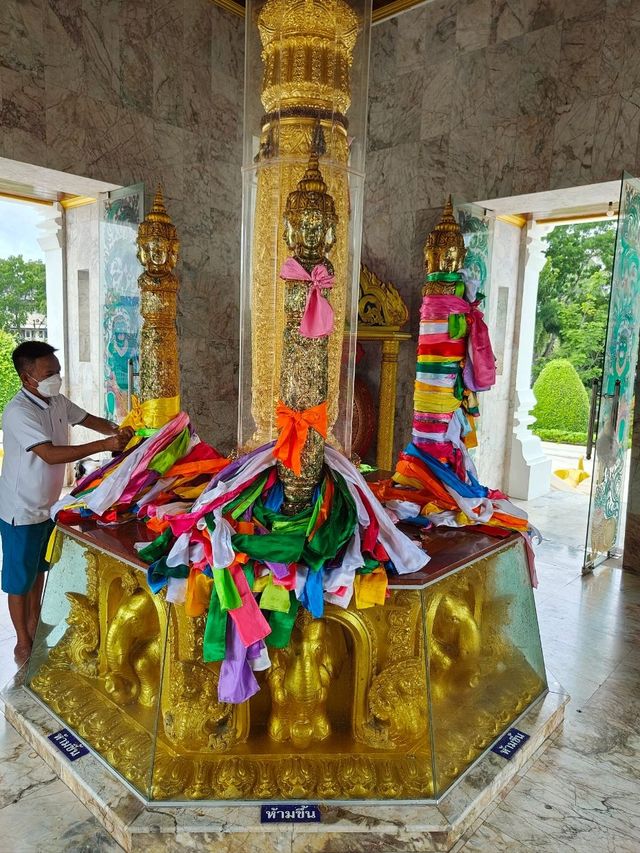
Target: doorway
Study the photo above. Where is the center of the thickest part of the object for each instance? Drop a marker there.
(548, 464)
(77, 226)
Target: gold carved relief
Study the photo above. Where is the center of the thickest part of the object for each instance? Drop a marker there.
(380, 304)
(341, 714)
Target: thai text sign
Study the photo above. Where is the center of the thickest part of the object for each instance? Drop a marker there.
(510, 743)
(274, 813)
(68, 744)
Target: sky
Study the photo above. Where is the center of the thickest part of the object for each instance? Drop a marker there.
(18, 229)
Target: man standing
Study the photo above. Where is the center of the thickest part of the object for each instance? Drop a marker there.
(36, 449)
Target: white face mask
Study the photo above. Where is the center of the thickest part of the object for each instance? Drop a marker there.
(50, 387)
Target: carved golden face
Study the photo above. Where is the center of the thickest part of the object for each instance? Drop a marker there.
(310, 234)
(158, 254)
(444, 258)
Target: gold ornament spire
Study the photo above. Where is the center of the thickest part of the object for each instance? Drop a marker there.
(307, 50)
(444, 250)
(311, 194)
(157, 221)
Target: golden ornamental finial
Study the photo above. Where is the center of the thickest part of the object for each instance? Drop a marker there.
(444, 249)
(158, 210)
(307, 51)
(311, 193)
(157, 223)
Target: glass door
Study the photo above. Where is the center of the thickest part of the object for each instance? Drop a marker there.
(477, 226)
(121, 211)
(612, 398)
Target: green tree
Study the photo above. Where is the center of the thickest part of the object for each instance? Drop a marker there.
(9, 380)
(573, 297)
(22, 291)
(563, 403)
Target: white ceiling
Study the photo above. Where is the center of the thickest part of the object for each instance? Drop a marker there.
(573, 201)
(24, 179)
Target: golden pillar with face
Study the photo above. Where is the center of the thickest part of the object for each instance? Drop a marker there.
(158, 247)
(310, 225)
(307, 48)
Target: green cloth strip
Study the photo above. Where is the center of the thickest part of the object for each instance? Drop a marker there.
(162, 461)
(281, 624)
(156, 549)
(437, 366)
(443, 276)
(226, 590)
(244, 500)
(215, 632)
(162, 570)
(336, 531)
(457, 326)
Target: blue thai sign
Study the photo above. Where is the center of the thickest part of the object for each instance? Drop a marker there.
(510, 743)
(274, 813)
(68, 744)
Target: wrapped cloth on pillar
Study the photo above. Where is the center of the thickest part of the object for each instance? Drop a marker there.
(435, 480)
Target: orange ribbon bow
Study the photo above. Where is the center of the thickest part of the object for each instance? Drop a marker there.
(293, 427)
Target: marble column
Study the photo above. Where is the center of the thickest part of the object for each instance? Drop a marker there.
(52, 242)
(529, 469)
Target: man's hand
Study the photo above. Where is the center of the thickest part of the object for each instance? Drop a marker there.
(119, 441)
(128, 431)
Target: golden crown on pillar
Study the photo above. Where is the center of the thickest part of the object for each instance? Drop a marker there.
(311, 194)
(444, 250)
(157, 241)
(307, 48)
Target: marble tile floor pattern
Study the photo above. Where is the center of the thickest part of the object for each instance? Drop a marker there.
(581, 794)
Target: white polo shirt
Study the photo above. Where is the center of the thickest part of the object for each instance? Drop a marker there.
(28, 485)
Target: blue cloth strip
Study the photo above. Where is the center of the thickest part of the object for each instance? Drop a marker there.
(447, 475)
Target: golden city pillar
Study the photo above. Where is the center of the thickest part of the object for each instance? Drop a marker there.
(307, 54)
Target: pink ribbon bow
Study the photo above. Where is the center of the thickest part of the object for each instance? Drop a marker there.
(317, 320)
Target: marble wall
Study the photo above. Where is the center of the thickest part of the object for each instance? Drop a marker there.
(130, 90)
(488, 99)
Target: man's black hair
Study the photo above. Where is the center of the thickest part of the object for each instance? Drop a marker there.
(25, 354)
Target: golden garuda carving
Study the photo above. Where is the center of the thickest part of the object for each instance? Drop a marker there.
(380, 304)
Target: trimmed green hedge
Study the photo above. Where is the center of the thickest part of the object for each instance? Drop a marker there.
(561, 436)
(563, 402)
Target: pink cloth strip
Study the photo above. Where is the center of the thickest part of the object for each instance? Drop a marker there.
(317, 320)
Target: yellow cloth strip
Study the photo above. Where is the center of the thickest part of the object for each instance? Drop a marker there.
(370, 589)
(54, 547)
(259, 584)
(426, 359)
(436, 403)
(413, 482)
(425, 387)
(152, 414)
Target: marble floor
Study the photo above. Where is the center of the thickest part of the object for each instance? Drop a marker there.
(582, 794)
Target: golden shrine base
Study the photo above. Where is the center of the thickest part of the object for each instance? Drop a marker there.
(355, 826)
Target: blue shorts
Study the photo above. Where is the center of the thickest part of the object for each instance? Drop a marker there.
(23, 554)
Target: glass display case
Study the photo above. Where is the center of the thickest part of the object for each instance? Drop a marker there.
(306, 73)
(390, 702)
